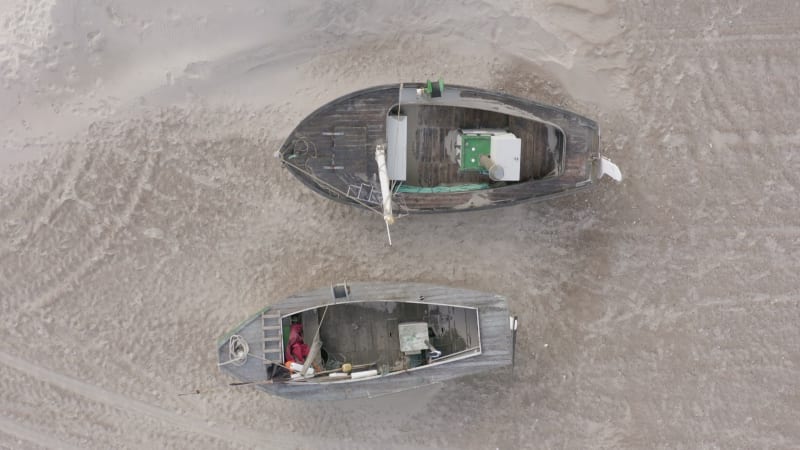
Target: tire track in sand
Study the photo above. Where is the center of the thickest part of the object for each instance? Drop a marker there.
(63, 184)
(193, 424)
(97, 253)
(36, 436)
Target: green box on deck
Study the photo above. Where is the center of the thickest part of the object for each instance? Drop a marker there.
(472, 147)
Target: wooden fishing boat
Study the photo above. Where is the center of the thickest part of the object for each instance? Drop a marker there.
(366, 340)
(422, 148)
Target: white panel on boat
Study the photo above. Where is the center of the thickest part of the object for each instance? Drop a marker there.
(396, 136)
(506, 151)
(413, 336)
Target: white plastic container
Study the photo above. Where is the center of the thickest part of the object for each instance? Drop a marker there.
(396, 136)
(298, 367)
(364, 374)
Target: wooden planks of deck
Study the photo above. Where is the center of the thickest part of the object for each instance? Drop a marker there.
(437, 164)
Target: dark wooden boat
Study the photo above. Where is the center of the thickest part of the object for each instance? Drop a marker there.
(393, 336)
(446, 149)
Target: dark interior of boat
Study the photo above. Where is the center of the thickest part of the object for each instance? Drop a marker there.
(383, 336)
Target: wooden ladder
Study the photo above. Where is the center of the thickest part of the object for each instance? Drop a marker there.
(273, 337)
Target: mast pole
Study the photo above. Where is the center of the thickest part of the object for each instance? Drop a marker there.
(386, 192)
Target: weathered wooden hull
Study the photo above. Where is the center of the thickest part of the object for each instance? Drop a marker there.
(344, 134)
(495, 341)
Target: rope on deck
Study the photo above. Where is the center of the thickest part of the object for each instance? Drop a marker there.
(238, 349)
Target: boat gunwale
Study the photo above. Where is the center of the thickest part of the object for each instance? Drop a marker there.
(241, 325)
(380, 87)
(347, 302)
(469, 353)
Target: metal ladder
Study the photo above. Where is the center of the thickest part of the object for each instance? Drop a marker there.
(273, 337)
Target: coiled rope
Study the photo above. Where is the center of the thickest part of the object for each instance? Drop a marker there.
(238, 349)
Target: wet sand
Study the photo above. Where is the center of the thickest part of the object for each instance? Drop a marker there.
(142, 215)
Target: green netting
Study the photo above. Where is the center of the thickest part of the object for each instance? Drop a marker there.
(441, 189)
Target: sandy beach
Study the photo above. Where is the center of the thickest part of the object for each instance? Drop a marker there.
(142, 215)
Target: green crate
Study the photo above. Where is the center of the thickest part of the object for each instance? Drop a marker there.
(472, 147)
